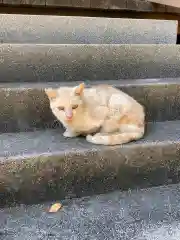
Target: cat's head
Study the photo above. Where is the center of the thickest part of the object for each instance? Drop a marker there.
(66, 102)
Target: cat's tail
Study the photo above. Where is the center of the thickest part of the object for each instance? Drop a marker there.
(116, 138)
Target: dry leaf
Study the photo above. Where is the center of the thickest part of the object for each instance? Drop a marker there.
(55, 207)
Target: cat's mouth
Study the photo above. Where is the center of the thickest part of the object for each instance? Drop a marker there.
(69, 118)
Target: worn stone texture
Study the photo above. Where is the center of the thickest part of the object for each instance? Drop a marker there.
(63, 3)
(116, 4)
(132, 4)
(102, 4)
(43, 165)
(145, 6)
(25, 110)
(25, 107)
(173, 3)
(80, 3)
(50, 63)
(138, 215)
(172, 9)
(85, 30)
(22, 2)
(139, 5)
(12, 2)
(159, 7)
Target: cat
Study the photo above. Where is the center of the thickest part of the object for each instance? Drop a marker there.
(104, 114)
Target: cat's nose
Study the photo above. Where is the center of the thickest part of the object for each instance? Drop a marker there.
(69, 114)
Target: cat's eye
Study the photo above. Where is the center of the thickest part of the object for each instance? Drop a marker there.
(74, 106)
(61, 108)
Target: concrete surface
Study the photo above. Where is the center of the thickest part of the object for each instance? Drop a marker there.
(43, 165)
(48, 63)
(25, 106)
(135, 5)
(85, 30)
(149, 214)
(172, 3)
(25, 2)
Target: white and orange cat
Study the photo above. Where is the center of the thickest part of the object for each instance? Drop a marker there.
(104, 114)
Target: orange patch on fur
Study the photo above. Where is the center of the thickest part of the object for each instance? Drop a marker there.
(103, 86)
(51, 93)
(79, 89)
(130, 120)
(111, 138)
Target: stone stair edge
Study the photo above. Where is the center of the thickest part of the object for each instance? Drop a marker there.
(88, 83)
(25, 106)
(67, 29)
(86, 45)
(42, 165)
(83, 17)
(63, 62)
(128, 5)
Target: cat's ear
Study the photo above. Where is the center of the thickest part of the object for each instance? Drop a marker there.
(51, 93)
(79, 89)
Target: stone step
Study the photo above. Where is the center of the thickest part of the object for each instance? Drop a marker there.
(25, 106)
(85, 30)
(172, 3)
(138, 215)
(49, 62)
(43, 165)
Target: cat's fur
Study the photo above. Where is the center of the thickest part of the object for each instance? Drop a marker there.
(110, 114)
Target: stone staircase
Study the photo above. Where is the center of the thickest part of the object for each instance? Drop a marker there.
(37, 164)
(138, 215)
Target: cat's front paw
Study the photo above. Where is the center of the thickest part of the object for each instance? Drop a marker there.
(69, 134)
(89, 138)
(96, 139)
